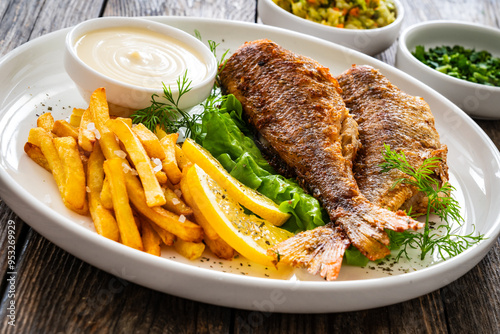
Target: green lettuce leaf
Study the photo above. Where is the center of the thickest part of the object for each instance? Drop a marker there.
(353, 257)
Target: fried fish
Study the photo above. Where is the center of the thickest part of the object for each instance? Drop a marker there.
(294, 103)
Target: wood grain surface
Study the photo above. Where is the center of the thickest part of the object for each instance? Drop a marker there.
(58, 293)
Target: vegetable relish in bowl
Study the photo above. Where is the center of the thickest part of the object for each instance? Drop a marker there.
(349, 14)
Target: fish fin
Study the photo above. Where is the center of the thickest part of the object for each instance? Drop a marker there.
(369, 239)
(320, 251)
(365, 227)
(396, 220)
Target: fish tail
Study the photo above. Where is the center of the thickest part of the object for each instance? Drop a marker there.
(365, 226)
(320, 251)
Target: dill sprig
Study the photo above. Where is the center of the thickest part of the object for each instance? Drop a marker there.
(165, 112)
(440, 202)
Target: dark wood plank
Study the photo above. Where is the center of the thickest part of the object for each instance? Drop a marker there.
(473, 301)
(3, 7)
(12, 237)
(23, 20)
(419, 315)
(431, 319)
(12, 241)
(17, 22)
(241, 10)
(492, 129)
(69, 13)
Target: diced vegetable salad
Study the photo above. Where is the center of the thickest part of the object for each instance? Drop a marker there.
(349, 14)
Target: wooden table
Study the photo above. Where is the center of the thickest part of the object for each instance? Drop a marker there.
(56, 292)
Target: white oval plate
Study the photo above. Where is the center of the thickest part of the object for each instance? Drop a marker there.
(34, 81)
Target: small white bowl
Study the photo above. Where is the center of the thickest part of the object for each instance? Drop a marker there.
(124, 98)
(477, 100)
(368, 41)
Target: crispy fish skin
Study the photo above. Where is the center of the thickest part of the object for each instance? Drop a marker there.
(295, 104)
(387, 115)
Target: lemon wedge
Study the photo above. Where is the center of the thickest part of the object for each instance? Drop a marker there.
(249, 235)
(247, 197)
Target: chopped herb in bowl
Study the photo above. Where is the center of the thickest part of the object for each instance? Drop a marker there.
(466, 64)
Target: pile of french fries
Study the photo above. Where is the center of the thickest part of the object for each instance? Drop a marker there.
(127, 178)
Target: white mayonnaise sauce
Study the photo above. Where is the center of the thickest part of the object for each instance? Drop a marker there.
(140, 57)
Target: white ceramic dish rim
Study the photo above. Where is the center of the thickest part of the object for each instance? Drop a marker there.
(92, 238)
(118, 21)
(416, 28)
(400, 12)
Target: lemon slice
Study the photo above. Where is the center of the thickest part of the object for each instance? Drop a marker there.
(247, 197)
(249, 235)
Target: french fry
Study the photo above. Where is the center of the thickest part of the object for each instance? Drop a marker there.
(150, 239)
(161, 177)
(190, 250)
(74, 191)
(129, 233)
(99, 110)
(220, 248)
(172, 186)
(105, 195)
(76, 117)
(142, 163)
(86, 135)
(41, 138)
(200, 218)
(35, 153)
(165, 236)
(170, 166)
(182, 228)
(137, 219)
(126, 120)
(62, 128)
(175, 204)
(104, 222)
(45, 121)
(150, 141)
(182, 159)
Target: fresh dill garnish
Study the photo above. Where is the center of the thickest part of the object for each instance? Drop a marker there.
(165, 112)
(440, 202)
